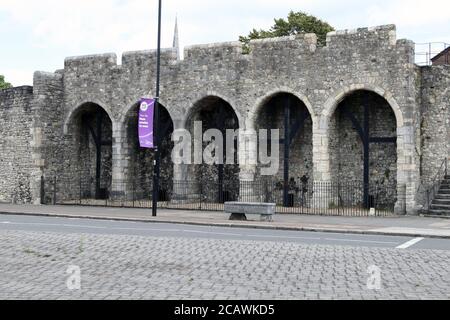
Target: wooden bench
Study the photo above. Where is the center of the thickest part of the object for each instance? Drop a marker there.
(239, 210)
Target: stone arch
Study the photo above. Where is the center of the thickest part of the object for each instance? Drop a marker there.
(221, 180)
(134, 165)
(295, 162)
(88, 134)
(132, 104)
(261, 101)
(193, 104)
(72, 114)
(372, 162)
(338, 96)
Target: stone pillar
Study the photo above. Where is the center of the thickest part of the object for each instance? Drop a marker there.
(182, 182)
(321, 162)
(248, 162)
(321, 152)
(407, 171)
(181, 186)
(38, 168)
(122, 188)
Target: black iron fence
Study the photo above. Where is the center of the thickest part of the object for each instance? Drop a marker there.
(314, 198)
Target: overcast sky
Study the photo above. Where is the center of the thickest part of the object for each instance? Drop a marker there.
(38, 35)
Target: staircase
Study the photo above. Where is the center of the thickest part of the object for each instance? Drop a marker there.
(441, 203)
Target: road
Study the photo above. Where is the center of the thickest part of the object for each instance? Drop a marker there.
(105, 227)
(131, 260)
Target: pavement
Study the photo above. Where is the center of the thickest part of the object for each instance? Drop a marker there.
(182, 262)
(71, 258)
(408, 226)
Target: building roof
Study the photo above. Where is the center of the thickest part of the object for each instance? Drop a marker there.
(446, 51)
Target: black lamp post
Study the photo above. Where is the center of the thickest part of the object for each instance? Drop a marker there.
(157, 162)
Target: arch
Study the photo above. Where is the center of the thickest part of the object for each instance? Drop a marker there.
(80, 108)
(137, 164)
(221, 179)
(89, 129)
(132, 103)
(261, 101)
(363, 126)
(337, 97)
(211, 94)
(295, 159)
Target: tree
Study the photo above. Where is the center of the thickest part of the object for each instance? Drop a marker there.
(3, 83)
(296, 23)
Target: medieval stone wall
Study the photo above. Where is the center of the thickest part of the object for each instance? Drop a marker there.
(320, 76)
(16, 140)
(435, 126)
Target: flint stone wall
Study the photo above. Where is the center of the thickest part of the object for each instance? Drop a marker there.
(435, 125)
(321, 77)
(16, 141)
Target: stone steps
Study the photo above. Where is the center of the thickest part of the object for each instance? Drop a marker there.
(443, 197)
(444, 201)
(444, 207)
(441, 204)
(439, 213)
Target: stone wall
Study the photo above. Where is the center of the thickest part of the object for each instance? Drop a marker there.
(16, 139)
(319, 76)
(435, 125)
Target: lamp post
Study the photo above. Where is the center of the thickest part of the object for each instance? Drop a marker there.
(157, 161)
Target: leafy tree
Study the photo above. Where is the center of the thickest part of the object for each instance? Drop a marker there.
(3, 83)
(296, 23)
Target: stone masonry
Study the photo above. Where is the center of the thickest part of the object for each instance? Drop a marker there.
(40, 135)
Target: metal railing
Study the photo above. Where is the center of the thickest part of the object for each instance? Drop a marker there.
(323, 198)
(312, 198)
(424, 52)
(433, 188)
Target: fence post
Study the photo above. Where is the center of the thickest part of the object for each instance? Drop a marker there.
(81, 190)
(340, 200)
(42, 190)
(404, 199)
(54, 191)
(134, 192)
(201, 194)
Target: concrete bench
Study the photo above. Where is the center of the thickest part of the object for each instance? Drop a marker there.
(239, 210)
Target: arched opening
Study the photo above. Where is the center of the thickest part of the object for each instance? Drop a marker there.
(139, 180)
(90, 139)
(363, 149)
(290, 115)
(219, 182)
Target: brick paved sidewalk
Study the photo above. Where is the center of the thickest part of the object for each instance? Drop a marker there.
(34, 266)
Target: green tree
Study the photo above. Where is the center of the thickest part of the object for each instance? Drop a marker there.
(296, 23)
(3, 83)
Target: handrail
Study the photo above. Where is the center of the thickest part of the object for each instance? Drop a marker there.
(436, 184)
(424, 52)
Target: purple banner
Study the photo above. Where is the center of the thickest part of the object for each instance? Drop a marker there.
(146, 115)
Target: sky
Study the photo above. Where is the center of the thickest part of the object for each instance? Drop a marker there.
(38, 35)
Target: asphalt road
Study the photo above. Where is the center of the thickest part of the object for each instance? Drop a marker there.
(160, 230)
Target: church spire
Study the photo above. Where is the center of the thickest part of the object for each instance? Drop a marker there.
(176, 39)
